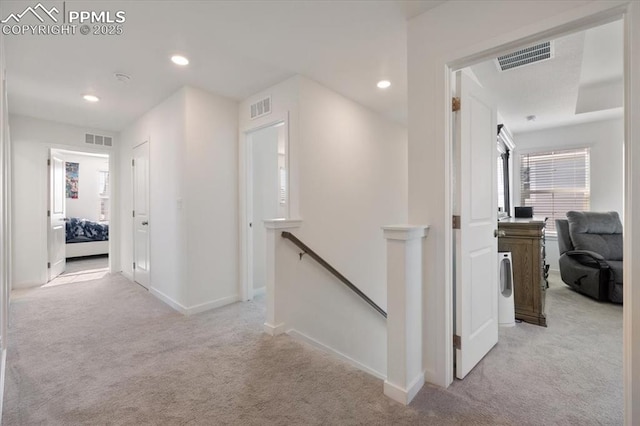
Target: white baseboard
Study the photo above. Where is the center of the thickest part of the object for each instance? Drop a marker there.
(218, 303)
(26, 285)
(259, 291)
(274, 330)
(404, 396)
(3, 366)
(169, 301)
(127, 275)
(196, 309)
(303, 337)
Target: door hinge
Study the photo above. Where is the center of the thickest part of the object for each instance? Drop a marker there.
(134, 265)
(455, 223)
(133, 162)
(48, 161)
(457, 342)
(455, 104)
(48, 265)
(48, 213)
(133, 213)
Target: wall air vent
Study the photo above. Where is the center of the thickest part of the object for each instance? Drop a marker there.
(98, 139)
(260, 108)
(527, 56)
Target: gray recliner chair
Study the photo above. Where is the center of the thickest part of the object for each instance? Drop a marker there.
(591, 254)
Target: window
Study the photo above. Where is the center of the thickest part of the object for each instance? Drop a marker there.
(555, 182)
(103, 194)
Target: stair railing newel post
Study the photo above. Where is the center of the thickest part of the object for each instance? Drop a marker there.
(405, 372)
(275, 275)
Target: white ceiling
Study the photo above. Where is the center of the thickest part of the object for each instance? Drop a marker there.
(581, 83)
(236, 49)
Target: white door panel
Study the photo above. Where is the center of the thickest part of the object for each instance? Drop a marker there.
(57, 227)
(476, 246)
(141, 255)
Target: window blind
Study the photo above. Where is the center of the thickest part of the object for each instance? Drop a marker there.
(555, 182)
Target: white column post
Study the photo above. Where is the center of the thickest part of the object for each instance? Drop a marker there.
(405, 375)
(274, 324)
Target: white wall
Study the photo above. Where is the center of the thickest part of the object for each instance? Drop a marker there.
(164, 128)
(606, 140)
(32, 138)
(193, 199)
(211, 191)
(483, 30)
(348, 178)
(87, 205)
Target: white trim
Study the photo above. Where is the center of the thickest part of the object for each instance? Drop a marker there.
(631, 313)
(3, 366)
(404, 396)
(196, 309)
(274, 330)
(166, 299)
(282, 223)
(405, 232)
(213, 304)
(313, 342)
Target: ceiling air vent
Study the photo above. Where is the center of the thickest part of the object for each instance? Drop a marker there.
(260, 108)
(98, 140)
(530, 55)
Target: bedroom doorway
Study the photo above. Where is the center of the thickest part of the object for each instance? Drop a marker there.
(266, 197)
(79, 215)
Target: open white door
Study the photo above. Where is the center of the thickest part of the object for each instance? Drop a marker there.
(476, 281)
(56, 213)
(140, 165)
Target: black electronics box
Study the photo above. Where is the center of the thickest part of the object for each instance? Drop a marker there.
(524, 212)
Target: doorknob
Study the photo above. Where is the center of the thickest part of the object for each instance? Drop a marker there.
(145, 223)
(497, 233)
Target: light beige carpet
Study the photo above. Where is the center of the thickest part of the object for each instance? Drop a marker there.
(107, 352)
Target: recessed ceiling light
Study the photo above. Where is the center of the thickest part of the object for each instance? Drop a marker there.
(383, 84)
(90, 98)
(179, 60)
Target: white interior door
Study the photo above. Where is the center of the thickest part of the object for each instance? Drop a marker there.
(140, 165)
(476, 288)
(56, 213)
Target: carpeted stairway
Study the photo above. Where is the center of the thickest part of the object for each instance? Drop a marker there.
(107, 352)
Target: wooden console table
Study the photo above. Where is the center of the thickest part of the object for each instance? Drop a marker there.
(524, 238)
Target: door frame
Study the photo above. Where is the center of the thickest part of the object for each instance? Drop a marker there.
(114, 224)
(577, 21)
(246, 202)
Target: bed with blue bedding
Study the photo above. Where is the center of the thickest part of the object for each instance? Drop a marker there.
(86, 238)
